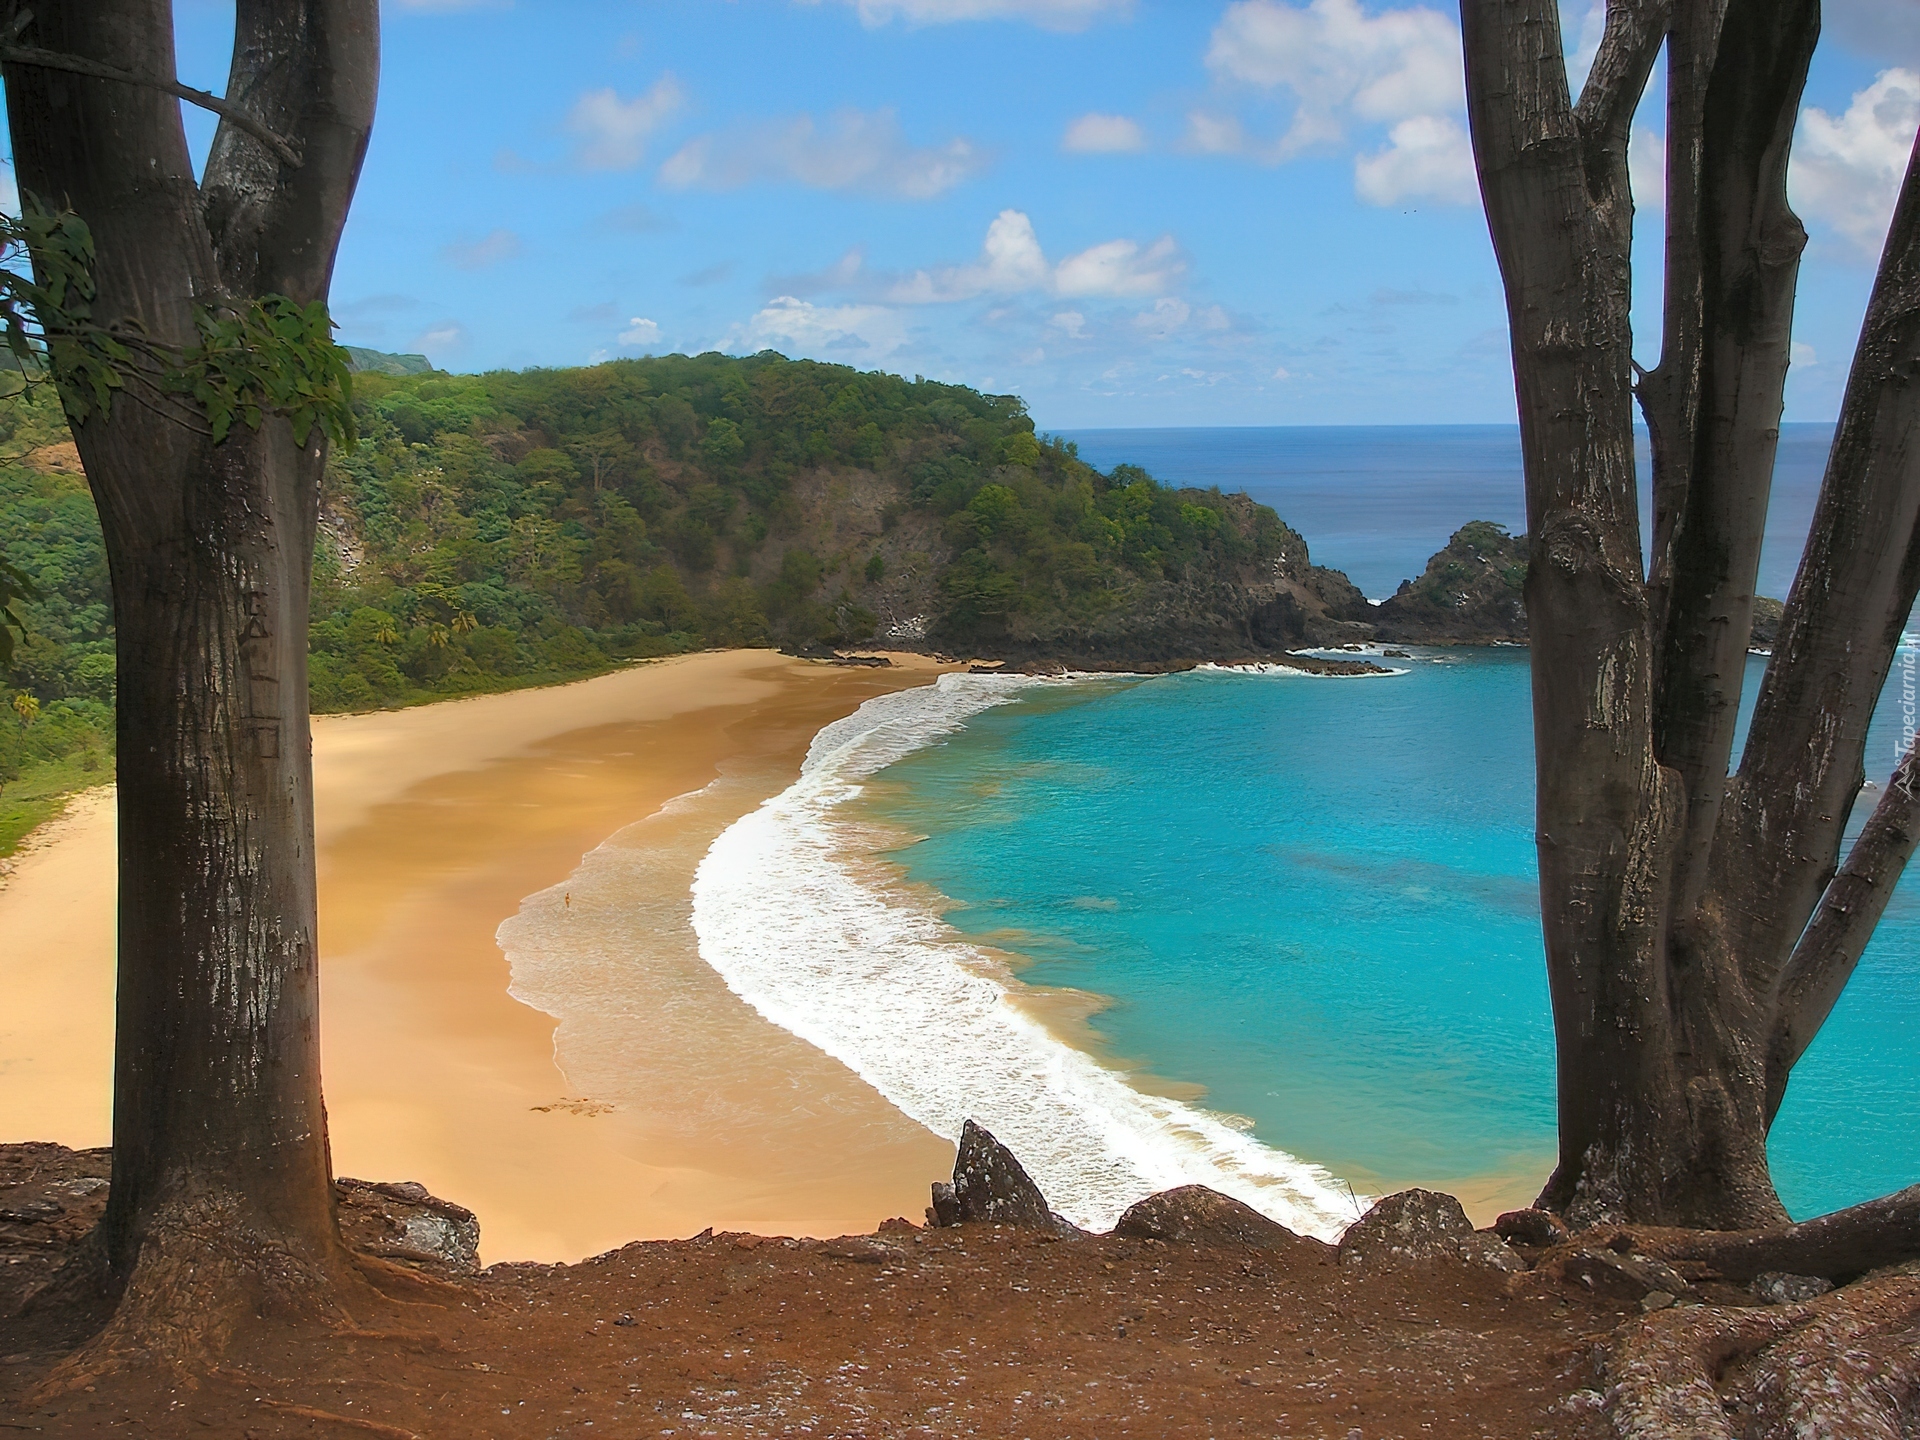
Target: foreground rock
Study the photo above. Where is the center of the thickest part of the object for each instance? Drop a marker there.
(991, 1187)
(401, 1221)
(997, 1330)
(1422, 1225)
(1195, 1215)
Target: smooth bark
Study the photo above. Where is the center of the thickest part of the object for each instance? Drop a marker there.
(221, 1191)
(1676, 897)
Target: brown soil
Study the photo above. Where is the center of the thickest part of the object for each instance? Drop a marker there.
(966, 1331)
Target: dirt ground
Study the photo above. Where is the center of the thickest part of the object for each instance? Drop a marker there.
(973, 1330)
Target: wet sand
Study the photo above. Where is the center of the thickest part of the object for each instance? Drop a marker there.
(433, 825)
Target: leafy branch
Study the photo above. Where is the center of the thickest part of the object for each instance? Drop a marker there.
(266, 355)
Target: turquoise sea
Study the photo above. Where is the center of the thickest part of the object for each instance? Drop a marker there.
(1316, 897)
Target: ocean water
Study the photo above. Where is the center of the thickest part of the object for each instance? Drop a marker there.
(1377, 500)
(1274, 933)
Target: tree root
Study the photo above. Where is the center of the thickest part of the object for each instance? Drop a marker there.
(204, 1272)
(352, 1422)
(1837, 1247)
(1846, 1364)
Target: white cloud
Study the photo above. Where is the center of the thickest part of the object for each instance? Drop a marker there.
(1120, 267)
(1168, 315)
(478, 254)
(1427, 157)
(1047, 14)
(447, 337)
(614, 132)
(1216, 134)
(1846, 169)
(1344, 67)
(1647, 168)
(1803, 355)
(853, 150)
(1097, 134)
(1883, 30)
(640, 331)
(1071, 323)
(1586, 35)
(865, 332)
(1011, 262)
(1336, 59)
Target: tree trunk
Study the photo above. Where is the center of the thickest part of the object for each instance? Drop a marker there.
(1696, 933)
(221, 1205)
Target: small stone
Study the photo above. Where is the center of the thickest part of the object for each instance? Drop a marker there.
(1540, 1228)
(1655, 1300)
(1611, 1276)
(1199, 1216)
(1776, 1287)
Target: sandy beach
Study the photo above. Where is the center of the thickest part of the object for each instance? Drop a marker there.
(433, 825)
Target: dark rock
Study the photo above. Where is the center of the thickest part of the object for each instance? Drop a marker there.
(990, 1186)
(1395, 655)
(1628, 1279)
(877, 662)
(1422, 1225)
(1539, 1228)
(1469, 593)
(1778, 1288)
(1766, 623)
(944, 1210)
(1195, 1215)
(403, 1221)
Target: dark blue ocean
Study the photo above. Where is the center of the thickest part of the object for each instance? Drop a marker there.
(1377, 500)
(1316, 897)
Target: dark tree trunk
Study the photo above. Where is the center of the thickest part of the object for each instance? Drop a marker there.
(1696, 932)
(222, 1200)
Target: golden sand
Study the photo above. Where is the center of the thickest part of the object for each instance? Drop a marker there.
(432, 825)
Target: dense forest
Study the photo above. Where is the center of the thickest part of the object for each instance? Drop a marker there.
(503, 529)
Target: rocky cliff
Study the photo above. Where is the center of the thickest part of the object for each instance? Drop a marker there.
(1469, 594)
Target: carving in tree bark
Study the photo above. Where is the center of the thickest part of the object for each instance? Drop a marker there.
(222, 1197)
(1699, 925)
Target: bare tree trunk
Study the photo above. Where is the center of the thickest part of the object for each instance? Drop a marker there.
(222, 1200)
(1685, 977)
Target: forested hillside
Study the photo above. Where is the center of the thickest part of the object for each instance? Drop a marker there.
(513, 528)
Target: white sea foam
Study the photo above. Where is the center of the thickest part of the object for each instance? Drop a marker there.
(874, 977)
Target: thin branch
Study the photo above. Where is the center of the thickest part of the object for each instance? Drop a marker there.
(54, 60)
(1628, 47)
(1856, 897)
(1857, 583)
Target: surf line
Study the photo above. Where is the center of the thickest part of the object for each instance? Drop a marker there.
(886, 987)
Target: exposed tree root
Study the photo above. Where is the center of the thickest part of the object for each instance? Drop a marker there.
(1837, 1247)
(329, 1417)
(1844, 1365)
(206, 1273)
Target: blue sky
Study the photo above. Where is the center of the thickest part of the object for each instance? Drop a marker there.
(1129, 213)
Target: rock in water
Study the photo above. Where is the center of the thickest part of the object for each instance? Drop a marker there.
(990, 1185)
(1423, 1225)
(1195, 1215)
